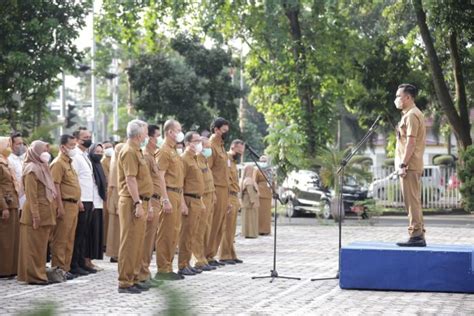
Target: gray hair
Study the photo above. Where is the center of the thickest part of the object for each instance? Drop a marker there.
(135, 128)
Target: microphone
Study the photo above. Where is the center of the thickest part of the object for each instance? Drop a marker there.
(252, 151)
(376, 122)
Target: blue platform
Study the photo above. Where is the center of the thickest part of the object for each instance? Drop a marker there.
(385, 266)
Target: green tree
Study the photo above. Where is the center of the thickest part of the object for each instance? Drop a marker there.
(36, 44)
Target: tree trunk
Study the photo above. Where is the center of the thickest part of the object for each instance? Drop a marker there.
(299, 55)
(460, 128)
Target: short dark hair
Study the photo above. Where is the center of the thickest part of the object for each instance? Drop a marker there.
(152, 129)
(77, 132)
(107, 142)
(218, 123)
(14, 135)
(64, 139)
(409, 88)
(237, 142)
(189, 136)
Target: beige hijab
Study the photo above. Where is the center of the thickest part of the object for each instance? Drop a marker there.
(113, 176)
(4, 144)
(34, 164)
(247, 178)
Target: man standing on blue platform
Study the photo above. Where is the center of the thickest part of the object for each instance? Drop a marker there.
(411, 136)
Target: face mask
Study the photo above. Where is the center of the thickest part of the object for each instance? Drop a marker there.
(6, 152)
(87, 143)
(237, 157)
(207, 152)
(198, 148)
(20, 151)
(179, 137)
(144, 143)
(109, 152)
(45, 157)
(224, 135)
(159, 142)
(263, 164)
(70, 152)
(179, 151)
(96, 157)
(398, 103)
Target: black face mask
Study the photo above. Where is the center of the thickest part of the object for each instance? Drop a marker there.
(237, 157)
(87, 143)
(96, 157)
(224, 135)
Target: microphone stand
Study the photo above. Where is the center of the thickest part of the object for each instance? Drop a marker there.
(340, 172)
(273, 273)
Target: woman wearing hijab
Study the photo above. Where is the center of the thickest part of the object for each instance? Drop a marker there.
(38, 216)
(250, 204)
(9, 203)
(95, 250)
(113, 233)
(265, 196)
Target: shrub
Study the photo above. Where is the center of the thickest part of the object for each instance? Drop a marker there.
(466, 175)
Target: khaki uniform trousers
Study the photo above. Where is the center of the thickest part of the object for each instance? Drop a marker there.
(9, 242)
(227, 249)
(189, 229)
(169, 225)
(150, 239)
(132, 236)
(64, 233)
(411, 191)
(203, 230)
(32, 254)
(218, 222)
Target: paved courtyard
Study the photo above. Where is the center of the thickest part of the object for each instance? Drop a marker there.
(305, 251)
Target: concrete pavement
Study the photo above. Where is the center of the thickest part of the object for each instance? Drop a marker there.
(304, 251)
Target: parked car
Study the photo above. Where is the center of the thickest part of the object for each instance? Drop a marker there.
(305, 194)
(431, 179)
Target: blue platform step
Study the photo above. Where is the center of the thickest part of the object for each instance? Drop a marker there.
(385, 266)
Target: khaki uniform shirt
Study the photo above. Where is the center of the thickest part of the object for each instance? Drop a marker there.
(207, 174)
(412, 124)
(37, 204)
(219, 163)
(153, 166)
(193, 177)
(64, 174)
(170, 162)
(233, 175)
(8, 194)
(106, 166)
(132, 163)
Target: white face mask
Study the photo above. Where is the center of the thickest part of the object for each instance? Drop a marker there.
(159, 142)
(398, 103)
(109, 152)
(71, 152)
(179, 137)
(45, 157)
(198, 148)
(179, 151)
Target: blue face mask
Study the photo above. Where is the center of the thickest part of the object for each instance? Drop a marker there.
(159, 142)
(207, 152)
(144, 143)
(263, 165)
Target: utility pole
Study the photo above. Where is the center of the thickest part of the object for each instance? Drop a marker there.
(95, 125)
(115, 99)
(241, 103)
(62, 108)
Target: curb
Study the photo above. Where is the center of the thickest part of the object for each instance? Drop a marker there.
(454, 211)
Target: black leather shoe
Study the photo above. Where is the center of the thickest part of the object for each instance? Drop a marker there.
(129, 290)
(186, 271)
(227, 261)
(214, 263)
(170, 276)
(141, 286)
(238, 261)
(69, 276)
(195, 270)
(413, 242)
(39, 283)
(113, 260)
(206, 268)
(90, 270)
(79, 272)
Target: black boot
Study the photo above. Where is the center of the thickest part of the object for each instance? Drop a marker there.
(413, 242)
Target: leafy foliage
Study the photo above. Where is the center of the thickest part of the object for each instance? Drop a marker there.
(466, 175)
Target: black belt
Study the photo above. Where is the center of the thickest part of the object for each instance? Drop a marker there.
(155, 196)
(177, 190)
(234, 193)
(144, 198)
(70, 200)
(195, 196)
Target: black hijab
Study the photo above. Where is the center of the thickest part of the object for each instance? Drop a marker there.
(99, 175)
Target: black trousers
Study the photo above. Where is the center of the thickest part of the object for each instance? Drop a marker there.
(82, 231)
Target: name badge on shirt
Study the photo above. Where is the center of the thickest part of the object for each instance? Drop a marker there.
(228, 163)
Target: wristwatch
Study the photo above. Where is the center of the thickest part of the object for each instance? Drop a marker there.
(137, 202)
(403, 166)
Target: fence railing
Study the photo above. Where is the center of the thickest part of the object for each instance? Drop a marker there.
(440, 188)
